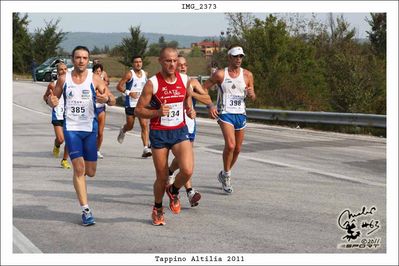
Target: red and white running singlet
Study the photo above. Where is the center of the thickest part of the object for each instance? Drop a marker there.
(173, 94)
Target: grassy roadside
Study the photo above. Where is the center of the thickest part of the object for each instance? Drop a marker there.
(115, 69)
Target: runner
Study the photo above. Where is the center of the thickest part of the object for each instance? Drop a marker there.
(81, 89)
(167, 95)
(134, 81)
(198, 93)
(98, 69)
(234, 85)
(57, 119)
(104, 74)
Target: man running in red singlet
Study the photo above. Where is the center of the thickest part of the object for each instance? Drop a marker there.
(168, 97)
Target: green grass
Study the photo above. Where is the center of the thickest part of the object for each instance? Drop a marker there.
(115, 70)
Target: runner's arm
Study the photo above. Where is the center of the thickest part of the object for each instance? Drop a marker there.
(101, 94)
(121, 84)
(144, 101)
(111, 98)
(50, 88)
(250, 85)
(199, 93)
(105, 77)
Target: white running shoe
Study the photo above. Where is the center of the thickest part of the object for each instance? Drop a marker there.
(99, 155)
(146, 152)
(193, 197)
(171, 179)
(226, 183)
(121, 135)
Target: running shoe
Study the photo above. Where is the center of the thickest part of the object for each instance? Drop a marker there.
(87, 218)
(226, 183)
(174, 201)
(171, 179)
(56, 151)
(158, 216)
(99, 155)
(193, 197)
(65, 164)
(121, 135)
(146, 153)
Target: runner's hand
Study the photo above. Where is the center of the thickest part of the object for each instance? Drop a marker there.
(250, 92)
(191, 112)
(213, 112)
(101, 97)
(52, 100)
(164, 109)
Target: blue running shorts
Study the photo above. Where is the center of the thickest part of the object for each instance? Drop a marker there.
(191, 136)
(58, 123)
(100, 109)
(167, 138)
(238, 121)
(81, 144)
(129, 110)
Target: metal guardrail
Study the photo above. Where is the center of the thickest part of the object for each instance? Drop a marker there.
(352, 119)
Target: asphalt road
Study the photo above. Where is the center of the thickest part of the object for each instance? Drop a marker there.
(290, 187)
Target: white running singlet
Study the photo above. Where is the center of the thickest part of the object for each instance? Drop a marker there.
(231, 94)
(80, 105)
(135, 84)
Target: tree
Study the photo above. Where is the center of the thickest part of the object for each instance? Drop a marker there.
(95, 50)
(47, 41)
(196, 52)
(161, 42)
(153, 49)
(287, 73)
(22, 53)
(136, 44)
(377, 35)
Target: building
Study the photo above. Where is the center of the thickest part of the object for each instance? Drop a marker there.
(207, 47)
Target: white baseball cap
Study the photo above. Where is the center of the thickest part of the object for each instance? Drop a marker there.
(236, 51)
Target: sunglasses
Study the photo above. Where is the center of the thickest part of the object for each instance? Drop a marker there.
(239, 55)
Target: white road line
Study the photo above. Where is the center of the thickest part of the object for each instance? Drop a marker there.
(23, 243)
(307, 169)
(32, 110)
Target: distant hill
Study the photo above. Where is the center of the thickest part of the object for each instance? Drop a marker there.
(91, 39)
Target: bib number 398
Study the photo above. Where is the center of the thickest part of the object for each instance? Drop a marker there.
(235, 104)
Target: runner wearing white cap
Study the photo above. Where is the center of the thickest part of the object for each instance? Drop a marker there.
(234, 85)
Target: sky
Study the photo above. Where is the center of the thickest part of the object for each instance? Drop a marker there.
(196, 24)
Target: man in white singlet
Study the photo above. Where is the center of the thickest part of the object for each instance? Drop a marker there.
(131, 85)
(235, 84)
(81, 90)
(197, 93)
(164, 100)
(57, 119)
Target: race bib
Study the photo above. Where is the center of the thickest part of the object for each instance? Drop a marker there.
(78, 111)
(235, 104)
(175, 116)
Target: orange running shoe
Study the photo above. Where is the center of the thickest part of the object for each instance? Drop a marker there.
(174, 203)
(157, 216)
